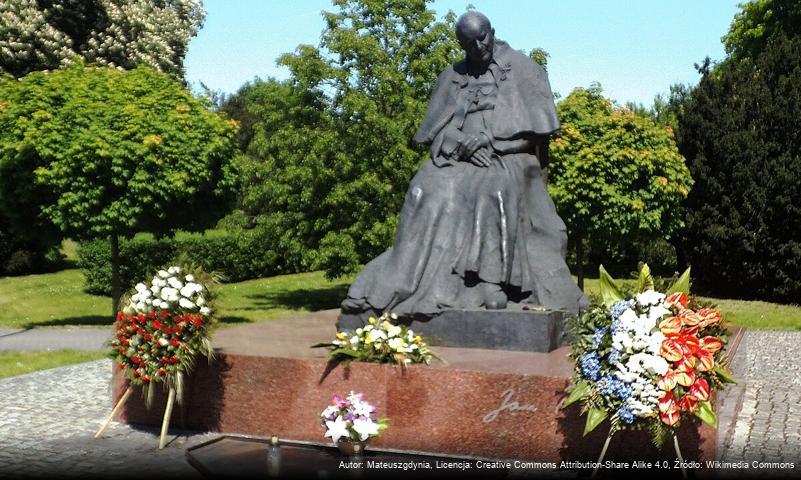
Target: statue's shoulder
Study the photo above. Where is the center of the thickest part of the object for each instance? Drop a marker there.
(516, 60)
(453, 72)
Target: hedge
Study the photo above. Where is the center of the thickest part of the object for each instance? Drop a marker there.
(235, 256)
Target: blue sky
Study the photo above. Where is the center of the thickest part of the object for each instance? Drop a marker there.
(635, 49)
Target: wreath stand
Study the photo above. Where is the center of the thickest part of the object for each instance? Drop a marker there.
(606, 446)
(165, 423)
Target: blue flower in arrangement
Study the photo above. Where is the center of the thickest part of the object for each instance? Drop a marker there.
(591, 365)
(623, 390)
(614, 357)
(605, 385)
(598, 335)
(619, 307)
(625, 415)
(611, 386)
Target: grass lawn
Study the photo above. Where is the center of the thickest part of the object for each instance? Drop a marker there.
(50, 299)
(268, 298)
(18, 363)
(57, 299)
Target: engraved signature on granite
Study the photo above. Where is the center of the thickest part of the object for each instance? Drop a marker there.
(508, 405)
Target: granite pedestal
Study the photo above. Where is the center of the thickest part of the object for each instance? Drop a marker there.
(518, 328)
(480, 403)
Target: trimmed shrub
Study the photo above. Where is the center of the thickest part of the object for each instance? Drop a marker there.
(236, 256)
(138, 259)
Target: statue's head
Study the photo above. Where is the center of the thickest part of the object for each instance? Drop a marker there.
(476, 37)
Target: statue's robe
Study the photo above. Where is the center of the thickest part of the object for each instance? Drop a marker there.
(461, 224)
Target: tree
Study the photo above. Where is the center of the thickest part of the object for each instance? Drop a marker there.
(49, 34)
(287, 133)
(332, 146)
(104, 153)
(757, 24)
(616, 178)
(739, 134)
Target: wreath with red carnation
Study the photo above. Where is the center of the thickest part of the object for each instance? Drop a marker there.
(164, 326)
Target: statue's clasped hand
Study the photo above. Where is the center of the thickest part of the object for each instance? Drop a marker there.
(475, 151)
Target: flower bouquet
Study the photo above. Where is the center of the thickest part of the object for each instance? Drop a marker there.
(380, 341)
(349, 420)
(161, 329)
(648, 359)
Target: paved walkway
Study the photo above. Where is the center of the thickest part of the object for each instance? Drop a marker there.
(75, 338)
(768, 423)
(48, 418)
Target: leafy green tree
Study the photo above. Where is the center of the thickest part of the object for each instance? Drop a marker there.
(49, 34)
(616, 178)
(288, 135)
(755, 26)
(540, 57)
(739, 134)
(331, 148)
(104, 153)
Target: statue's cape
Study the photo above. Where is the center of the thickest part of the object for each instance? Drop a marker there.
(524, 104)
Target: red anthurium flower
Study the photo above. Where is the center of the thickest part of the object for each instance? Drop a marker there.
(157, 324)
(693, 331)
(677, 298)
(671, 350)
(686, 364)
(164, 314)
(197, 321)
(667, 402)
(688, 403)
(710, 316)
(136, 359)
(689, 344)
(670, 325)
(175, 342)
(122, 351)
(711, 344)
(706, 361)
(667, 382)
(145, 378)
(700, 389)
(151, 314)
(690, 318)
(119, 316)
(148, 337)
(670, 418)
(685, 379)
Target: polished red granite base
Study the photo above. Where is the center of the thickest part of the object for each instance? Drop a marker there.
(483, 403)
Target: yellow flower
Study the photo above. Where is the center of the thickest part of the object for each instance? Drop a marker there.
(340, 335)
(418, 339)
(371, 320)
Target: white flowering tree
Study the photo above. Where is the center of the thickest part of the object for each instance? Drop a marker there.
(49, 34)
